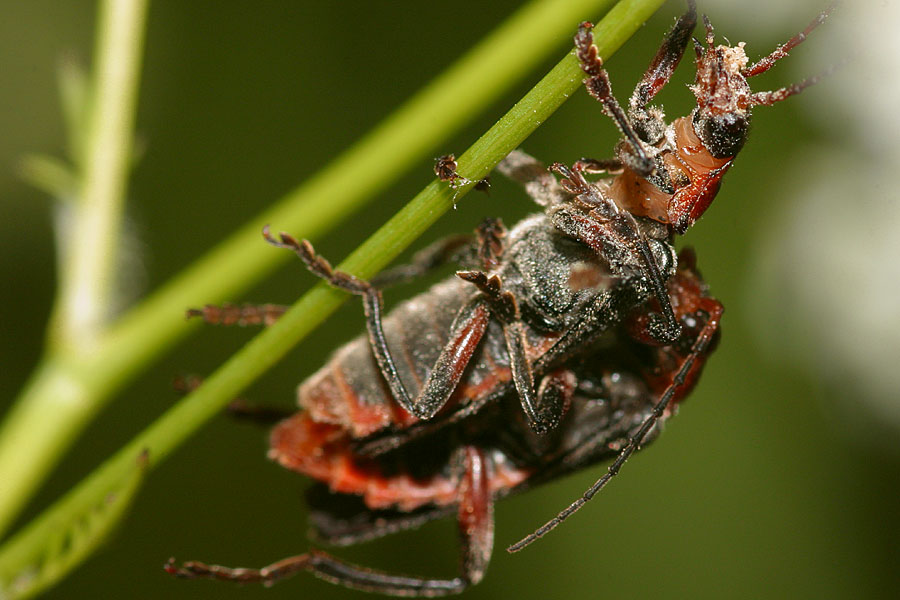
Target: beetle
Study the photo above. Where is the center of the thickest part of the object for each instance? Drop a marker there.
(614, 396)
(556, 299)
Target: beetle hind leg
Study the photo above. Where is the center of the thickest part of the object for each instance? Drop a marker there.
(324, 566)
(476, 526)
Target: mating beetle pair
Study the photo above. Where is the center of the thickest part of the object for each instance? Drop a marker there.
(566, 341)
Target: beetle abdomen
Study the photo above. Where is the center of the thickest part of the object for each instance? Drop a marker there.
(323, 451)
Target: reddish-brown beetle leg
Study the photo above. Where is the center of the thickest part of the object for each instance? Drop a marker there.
(594, 166)
(476, 525)
(599, 87)
(504, 306)
(649, 125)
(242, 315)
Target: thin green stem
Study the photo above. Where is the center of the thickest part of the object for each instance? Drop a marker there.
(69, 387)
(161, 438)
(89, 255)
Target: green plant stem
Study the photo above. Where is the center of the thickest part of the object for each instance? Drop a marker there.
(87, 268)
(69, 387)
(161, 438)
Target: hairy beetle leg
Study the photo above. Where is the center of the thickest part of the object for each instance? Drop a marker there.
(598, 222)
(532, 174)
(242, 315)
(468, 328)
(649, 123)
(599, 87)
(594, 166)
(767, 62)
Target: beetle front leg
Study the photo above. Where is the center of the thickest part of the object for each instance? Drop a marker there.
(619, 231)
(599, 87)
(466, 332)
(650, 124)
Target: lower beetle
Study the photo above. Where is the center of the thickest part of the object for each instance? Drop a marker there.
(615, 400)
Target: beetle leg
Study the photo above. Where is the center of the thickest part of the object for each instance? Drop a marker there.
(466, 332)
(490, 234)
(450, 249)
(242, 315)
(523, 376)
(766, 63)
(324, 566)
(604, 224)
(237, 408)
(554, 396)
(701, 343)
(476, 526)
(650, 124)
(771, 97)
(540, 185)
(504, 306)
(475, 516)
(599, 87)
(594, 166)
(545, 407)
(468, 328)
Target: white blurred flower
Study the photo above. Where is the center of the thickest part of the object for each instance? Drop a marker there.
(830, 265)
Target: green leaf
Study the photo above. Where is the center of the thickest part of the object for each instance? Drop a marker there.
(69, 539)
(74, 95)
(50, 175)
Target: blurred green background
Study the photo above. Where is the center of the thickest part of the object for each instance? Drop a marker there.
(774, 481)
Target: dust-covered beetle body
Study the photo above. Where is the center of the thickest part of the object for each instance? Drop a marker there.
(566, 298)
(567, 340)
(463, 466)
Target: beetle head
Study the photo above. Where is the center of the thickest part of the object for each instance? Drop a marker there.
(722, 116)
(724, 97)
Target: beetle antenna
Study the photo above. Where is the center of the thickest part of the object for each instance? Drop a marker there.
(764, 64)
(703, 340)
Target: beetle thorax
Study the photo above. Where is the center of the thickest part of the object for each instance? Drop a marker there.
(550, 272)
